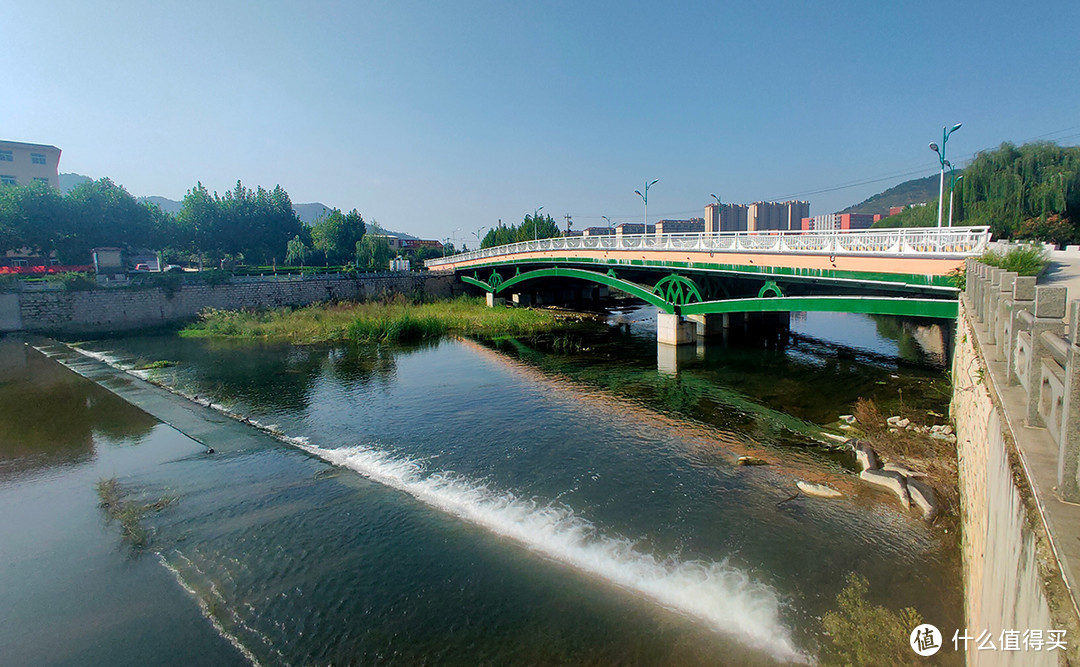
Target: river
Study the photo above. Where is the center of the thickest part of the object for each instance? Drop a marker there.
(528, 502)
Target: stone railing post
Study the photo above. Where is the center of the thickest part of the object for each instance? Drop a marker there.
(1049, 313)
(1068, 472)
(969, 272)
(980, 291)
(1001, 314)
(990, 301)
(1023, 301)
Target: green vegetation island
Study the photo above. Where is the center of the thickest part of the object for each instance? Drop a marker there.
(396, 320)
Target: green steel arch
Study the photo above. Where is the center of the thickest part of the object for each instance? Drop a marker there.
(609, 279)
(874, 305)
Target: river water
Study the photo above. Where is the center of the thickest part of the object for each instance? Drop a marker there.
(536, 502)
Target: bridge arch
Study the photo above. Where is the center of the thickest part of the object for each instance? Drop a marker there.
(495, 283)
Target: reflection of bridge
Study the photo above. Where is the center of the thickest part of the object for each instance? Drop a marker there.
(717, 280)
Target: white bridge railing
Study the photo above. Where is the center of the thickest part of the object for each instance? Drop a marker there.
(912, 241)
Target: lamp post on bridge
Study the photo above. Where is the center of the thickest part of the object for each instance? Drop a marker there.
(941, 157)
(536, 228)
(719, 213)
(954, 179)
(645, 198)
(478, 237)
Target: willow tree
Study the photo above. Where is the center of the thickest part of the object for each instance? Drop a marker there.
(1031, 191)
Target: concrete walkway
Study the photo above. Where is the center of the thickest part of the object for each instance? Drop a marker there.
(1064, 271)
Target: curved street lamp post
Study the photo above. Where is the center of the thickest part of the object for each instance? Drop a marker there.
(536, 228)
(945, 132)
(645, 198)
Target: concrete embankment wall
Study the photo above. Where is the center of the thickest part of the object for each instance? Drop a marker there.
(125, 309)
(1007, 562)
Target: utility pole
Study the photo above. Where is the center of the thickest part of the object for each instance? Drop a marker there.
(568, 223)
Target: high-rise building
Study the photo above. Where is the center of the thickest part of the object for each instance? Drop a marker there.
(22, 164)
(725, 218)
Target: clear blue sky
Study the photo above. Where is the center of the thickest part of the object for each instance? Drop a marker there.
(435, 116)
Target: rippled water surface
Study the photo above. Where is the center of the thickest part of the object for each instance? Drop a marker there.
(460, 502)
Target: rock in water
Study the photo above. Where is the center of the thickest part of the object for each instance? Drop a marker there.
(890, 480)
(751, 461)
(817, 490)
(923, 497)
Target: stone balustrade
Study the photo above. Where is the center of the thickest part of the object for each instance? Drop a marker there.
(1027, 324)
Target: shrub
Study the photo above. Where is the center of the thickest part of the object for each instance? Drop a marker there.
(863, 634)
(1027, 260)
(72, 281)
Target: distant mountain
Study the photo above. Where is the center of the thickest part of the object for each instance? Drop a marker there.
(69, 181)
(167, 205)
(915, 191)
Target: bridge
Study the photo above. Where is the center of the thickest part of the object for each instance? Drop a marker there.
(702, 283)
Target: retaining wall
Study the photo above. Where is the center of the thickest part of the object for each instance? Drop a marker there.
(125, 309)
(1012, 578)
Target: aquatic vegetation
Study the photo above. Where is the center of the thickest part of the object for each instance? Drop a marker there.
(127, 512)
(397, 320)
(865, 634)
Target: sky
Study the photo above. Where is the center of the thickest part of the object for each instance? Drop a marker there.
(439, 119)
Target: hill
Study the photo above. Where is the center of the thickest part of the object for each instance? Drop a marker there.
(69, 181)
(915, 191)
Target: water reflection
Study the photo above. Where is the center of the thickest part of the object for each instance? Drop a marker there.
(68, 413)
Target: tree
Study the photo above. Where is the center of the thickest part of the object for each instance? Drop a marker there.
(373, 253)
(198, 220)
(337, 235)
(101, 213)
(297, 252)
(540, 227)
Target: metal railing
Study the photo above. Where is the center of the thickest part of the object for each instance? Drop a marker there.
(924, 241)
(1026, 325)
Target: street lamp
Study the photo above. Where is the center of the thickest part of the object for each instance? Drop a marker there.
(608, 221)
(645, 198)
(953, 180)
(719, 213)
(478, 237)
(536, 228)
(941, 157)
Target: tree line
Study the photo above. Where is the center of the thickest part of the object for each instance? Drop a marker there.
(251, 226)
(531, 227)
(1026, 192)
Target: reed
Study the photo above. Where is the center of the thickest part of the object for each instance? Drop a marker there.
(393, 321)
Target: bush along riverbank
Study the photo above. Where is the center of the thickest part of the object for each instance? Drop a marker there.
(397, 320)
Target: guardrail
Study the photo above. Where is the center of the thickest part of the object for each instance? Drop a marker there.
(1026, 324)
(933, 241)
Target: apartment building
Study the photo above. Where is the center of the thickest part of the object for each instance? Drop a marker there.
(691, 226)
(833, 221)
(22, 164)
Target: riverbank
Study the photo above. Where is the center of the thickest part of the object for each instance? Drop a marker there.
(394, 321)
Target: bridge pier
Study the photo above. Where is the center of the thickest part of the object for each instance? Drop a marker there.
(495, 301)
(521, 300)
(675, 330)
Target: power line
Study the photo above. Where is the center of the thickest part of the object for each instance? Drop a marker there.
(902, 173)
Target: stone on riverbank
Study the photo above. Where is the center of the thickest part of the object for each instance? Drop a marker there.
(923, 498)
(890, 480)
(818, 490)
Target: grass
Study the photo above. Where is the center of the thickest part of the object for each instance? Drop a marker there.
(1027, 260)
(394, 321)
(127, 512)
